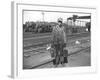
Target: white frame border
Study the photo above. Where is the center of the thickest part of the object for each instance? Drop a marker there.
(17, 67)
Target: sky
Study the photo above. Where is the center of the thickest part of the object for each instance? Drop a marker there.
(49, 16)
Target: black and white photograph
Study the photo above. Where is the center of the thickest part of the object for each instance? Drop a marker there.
(56, 39)
(50, 40)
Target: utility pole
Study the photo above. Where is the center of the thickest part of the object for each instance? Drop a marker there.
(43, 16)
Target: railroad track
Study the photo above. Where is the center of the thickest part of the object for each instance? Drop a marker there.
(36, 66)
(39, 49)
(28, 35)
(43, 41)
(49, 36)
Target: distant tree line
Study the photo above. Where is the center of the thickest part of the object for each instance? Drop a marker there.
(45, 27)
(38, 27)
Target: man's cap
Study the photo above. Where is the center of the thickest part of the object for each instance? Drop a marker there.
(60, 20)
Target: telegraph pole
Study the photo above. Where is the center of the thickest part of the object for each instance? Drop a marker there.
(43, 16)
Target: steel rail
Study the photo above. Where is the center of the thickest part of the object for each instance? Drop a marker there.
(44, 48)
(47, 42)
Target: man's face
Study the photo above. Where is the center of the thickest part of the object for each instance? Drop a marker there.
(60, 23)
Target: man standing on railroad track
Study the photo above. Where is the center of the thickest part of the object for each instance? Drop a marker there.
(59, 43)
